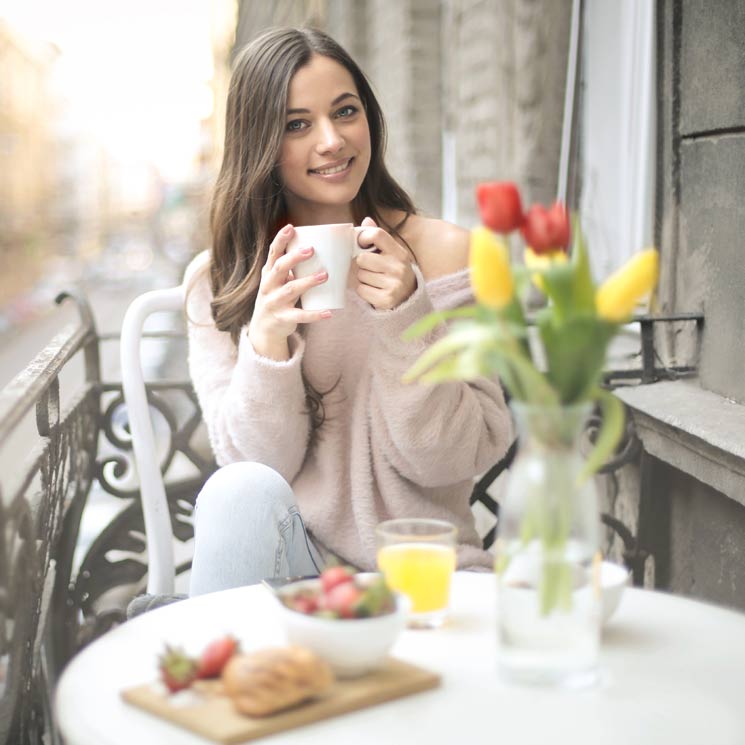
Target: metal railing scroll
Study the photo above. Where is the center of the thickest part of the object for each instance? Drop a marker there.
(57, 593)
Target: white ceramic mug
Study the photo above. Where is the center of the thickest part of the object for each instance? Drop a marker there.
(334, 248)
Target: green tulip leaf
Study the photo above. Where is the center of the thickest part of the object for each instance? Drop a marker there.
(522, 279)
(432, 320)
(461, 336)
(583, 288)
(575, 352)
(533, 385)
(558, 284)
(611, 430)
(468, 364)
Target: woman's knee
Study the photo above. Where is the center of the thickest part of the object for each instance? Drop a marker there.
(241, 489)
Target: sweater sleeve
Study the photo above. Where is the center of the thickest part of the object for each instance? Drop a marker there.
(440, 434)
(254, 407)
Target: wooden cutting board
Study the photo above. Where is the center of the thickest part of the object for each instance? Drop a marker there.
(212, 715)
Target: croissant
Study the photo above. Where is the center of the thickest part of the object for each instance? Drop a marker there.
(269, 680)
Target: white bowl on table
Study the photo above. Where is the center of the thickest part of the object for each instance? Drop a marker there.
(351, 646)
(613, 580)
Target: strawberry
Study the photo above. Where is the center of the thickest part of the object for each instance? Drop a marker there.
(342, 599)
(334, 576)
(305, 604)
(215, 656)
(177, 670)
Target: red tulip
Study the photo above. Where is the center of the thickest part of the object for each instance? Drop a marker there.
(546, 229)
(499, 203)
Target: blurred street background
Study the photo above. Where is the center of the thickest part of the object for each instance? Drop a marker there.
(108, 132)
(107, 150)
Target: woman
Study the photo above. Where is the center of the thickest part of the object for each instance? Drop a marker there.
(318, 438)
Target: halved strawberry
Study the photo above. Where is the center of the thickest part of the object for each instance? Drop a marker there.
(177, 669)
(342, 599)
(215, 657)
(334, 576)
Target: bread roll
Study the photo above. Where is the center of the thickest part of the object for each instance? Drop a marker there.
(267, 681)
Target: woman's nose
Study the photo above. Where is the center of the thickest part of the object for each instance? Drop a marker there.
(330, 140)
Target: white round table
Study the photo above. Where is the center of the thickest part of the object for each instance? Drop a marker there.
(673, 671)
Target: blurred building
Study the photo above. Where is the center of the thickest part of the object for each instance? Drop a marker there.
(81, 190)
(223, 33)
(28, 154)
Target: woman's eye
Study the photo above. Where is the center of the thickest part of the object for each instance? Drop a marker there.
(347, 111)
(295, 125)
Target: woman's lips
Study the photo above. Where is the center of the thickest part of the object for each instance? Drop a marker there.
(335, 171)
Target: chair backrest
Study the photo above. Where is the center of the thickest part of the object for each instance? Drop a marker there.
(158, 529)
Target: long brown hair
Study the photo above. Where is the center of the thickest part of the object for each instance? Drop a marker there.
(248, 203)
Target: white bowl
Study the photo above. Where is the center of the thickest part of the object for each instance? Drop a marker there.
(613, 578)
(352, 647)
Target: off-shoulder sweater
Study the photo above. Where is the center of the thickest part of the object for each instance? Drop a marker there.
(386, 449)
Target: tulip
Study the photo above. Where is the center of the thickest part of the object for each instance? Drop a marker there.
(546, 230)
(616, 297)
(500, 206)
(491, 276)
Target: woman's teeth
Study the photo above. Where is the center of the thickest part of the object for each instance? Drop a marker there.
(331, 171)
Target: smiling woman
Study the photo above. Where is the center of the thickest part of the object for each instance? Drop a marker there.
(318, 437)
(326, 151)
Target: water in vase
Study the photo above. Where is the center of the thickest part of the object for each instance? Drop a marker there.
(549, 616)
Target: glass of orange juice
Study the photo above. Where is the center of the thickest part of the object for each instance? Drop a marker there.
(417, 558)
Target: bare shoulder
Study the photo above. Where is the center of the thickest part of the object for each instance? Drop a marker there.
(440, 248)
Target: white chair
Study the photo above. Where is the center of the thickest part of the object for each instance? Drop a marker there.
(158, 529)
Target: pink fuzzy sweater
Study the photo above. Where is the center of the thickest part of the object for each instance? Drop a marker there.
(385, 449)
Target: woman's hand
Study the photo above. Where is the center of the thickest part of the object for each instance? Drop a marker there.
(385, 277)
(275, 316)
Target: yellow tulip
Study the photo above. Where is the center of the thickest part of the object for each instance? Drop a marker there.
(616, 297)
(543, 261)
(491, 276)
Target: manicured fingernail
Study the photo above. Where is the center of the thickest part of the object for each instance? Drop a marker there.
(326, 314)
(321, 276)
(306, 251)
(287, 229)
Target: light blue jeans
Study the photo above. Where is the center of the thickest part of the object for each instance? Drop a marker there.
(247, 527)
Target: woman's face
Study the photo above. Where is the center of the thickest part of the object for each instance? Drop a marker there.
(325, 150)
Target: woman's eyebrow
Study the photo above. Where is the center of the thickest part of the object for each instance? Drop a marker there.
(336, 101)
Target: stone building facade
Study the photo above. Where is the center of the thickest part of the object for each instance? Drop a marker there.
(693, 476)
(29, 157)
(474, 90)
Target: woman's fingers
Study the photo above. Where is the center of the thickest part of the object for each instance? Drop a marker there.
(288, 261)
(380, 270)
(279, 245)
(373, 237)
(373, 279)
(288, 294)
(281, 271)
(380, 299)
(298, 315)
(385, 279)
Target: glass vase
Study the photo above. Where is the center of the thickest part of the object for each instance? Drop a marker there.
(547, 560)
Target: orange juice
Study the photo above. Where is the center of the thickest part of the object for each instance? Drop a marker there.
(420, 570)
